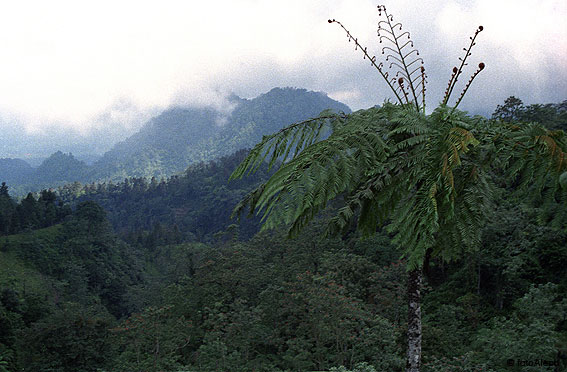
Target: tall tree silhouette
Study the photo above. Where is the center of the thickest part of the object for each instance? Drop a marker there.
(425, 177)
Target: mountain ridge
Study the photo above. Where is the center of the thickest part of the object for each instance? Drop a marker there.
(179, 136)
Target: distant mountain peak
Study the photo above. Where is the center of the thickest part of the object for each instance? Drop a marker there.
(180, 136)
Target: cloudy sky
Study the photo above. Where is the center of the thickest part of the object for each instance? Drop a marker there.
(82, 66)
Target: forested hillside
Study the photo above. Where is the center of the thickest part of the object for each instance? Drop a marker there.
(75, 298)
(193, 205)
(171, 202)
(15, 171)
(176, 138)
(153, 275)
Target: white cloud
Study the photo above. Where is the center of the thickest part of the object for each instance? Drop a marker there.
(346, 95)
(524, 31)
(66, 63)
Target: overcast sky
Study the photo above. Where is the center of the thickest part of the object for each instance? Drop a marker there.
(79, 65)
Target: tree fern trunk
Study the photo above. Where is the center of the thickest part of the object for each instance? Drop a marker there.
(414, 321)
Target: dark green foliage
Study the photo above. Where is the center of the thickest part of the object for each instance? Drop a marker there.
(517, 248)
(61, 290)
(271, 304)
(30, 213)
(535, 330)
(491, 306)
(510, 111)
(188, 207)
(7, 207)
(151, 341)
(71, 339)
(427, 176)
(551, 115)
(329, 325)
(463, 363)
(274, 305)
(84, 255)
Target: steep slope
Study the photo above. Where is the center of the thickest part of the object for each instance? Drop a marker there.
(56, 170)
(14, 171)
(270, 112)
(178, 137)
(159, 147)
(197, 203)
(60, 168)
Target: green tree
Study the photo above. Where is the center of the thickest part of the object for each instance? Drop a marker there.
(552, 115)
(151, 341)
(326, 326)
(71, 339)
(511, 111)
(427, 177)
(7, 207)
(28, 212)
(534, 331)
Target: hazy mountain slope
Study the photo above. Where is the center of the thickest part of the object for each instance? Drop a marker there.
(56, 170)
(60, 167)
(168, 143)
(15, 171)
(270, 112)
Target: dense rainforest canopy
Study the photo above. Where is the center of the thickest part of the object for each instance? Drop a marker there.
(126, 276)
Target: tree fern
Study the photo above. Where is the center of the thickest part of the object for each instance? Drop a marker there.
(426, 177)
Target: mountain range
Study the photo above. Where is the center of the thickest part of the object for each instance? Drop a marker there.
(174, 139)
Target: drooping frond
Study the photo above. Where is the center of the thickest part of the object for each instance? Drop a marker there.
(533, 153)
(318, 173)
(425, 177)
(440, 204)
(288, 141)
(419, 190)
(472, 204)
(536, 158)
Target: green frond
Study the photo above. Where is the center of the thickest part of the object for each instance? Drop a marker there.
(412, 142)
(563, 179)
(535, 155)
(423, 177)
(295, 137)
(302, 186)
(461, 231)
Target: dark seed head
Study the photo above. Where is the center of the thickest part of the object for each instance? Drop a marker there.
(480, 28)
(455, 70)
(481, 66)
